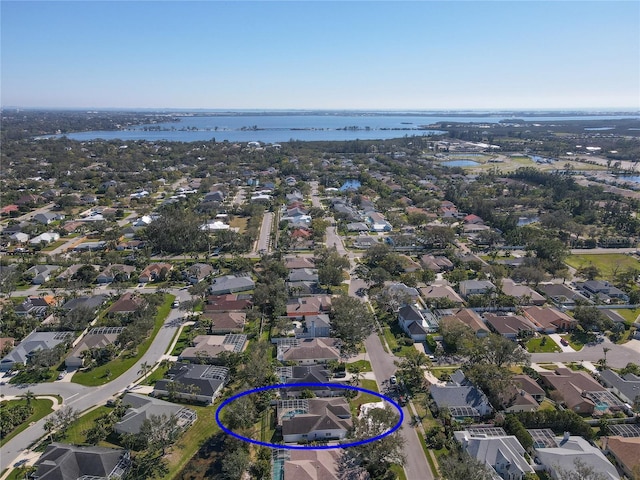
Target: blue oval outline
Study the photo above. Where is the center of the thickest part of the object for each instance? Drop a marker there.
(284, 446)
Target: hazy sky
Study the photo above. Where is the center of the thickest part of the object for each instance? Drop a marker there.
(321, 55)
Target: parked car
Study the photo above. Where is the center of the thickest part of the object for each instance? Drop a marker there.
(564, 342)
(393, 380)
(175, 304)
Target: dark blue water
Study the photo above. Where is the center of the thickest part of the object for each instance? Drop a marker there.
(274, 128)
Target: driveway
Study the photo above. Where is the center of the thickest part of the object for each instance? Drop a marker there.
(558, 339)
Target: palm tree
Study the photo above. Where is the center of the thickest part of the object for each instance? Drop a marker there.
(145, 368)
(605, 350)
(28, 396)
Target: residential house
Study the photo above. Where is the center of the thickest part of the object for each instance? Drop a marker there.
(29, 199)
(357, 227)
(627, 386)
(436, 264)
(571, 387)
(200, 383)
(409, 265)
(461, 398)
(72, 270)
(365, 241)
(225, 322)
(36, 306)
(314, 419)
(47, 217)
(416, 322)
(128, 303)
(303, 275)
(206, 348)
(549, 320)
(305, 374)
(378, 223)
(313, 465)
(562, 295)
(572, 449)
(315, 305)
(115, 272)
(41, 273)
(309, 351)
(529, 385)
(314, 326)
(475, 287)
(98, 337)
(197, 272)
(603, 292)
(298, 262)
(525, 294)
(231, 284)
(93, 303)
(468, 317)
(45, 238)
(34, 342)
(228, 302)
(142, 407)
(61, 461)
(515, 399)
(510, 326)
(19, 238)
(433, 293)
(154, 272)
(625, 453)
(501, 452)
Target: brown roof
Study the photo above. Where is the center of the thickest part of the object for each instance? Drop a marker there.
(312, 348)
(509, 324)
(547, 317)
(299, 262)
(626, 450)
(528, 384)
(469, 318)
(229, 302)
(570, 384)
(226, 321)
(308, 305)
(313, 465)
(128, 302)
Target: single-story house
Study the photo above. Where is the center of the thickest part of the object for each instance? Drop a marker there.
(470, 318)
(572, 449)
(433, 292)
(510, 326)
(206, 348)
(92, 303)
(570, 387)
(549, 320)
(45, 238)
(41, 273)
(231, 284)
(142, 407)
(128, 303)
(34, 342)
(116, 271)
(461, 398)
(298, 262)
(47, 218)
(198, 272)
(314, 326)
(503, 453)
(36, 306)
(315, 305)
(98, 337)
(627, 387)
(436, 263)
(475, 287)
(201, 383)
(525, 294)
(562, 295)
(154, 272)
(228, 302)
(603, 291)
(314, 419)
(303, 275)
(365, 241)
(310, 351)
(305, 374)
(529, 385)
(61, 461)
(625, 453)
(225, 322)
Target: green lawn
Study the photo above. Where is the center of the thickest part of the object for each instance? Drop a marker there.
(535, 345)
(364, 397)
(399, 471)
(389, 335)
(41, 408)
(628, 314)
(606, 263)
(85, 422)
(118, 366)
(363, 365)
(189, 443)
(183, 341)
(576, 340)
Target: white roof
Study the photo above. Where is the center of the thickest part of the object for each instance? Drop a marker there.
(576, 449)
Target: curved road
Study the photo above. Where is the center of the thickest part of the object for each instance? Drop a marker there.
(82, 398)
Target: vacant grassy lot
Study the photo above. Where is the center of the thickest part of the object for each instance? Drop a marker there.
(542, 345)
(607, 263)
(240, 223)
(629, 314)
(41, 408)
(98, 376)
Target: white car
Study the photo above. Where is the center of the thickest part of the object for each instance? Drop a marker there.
(393, 380)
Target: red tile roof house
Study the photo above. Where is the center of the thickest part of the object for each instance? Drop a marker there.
(154, 272)
(9, 209)
(549, 320)
(569, 386)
